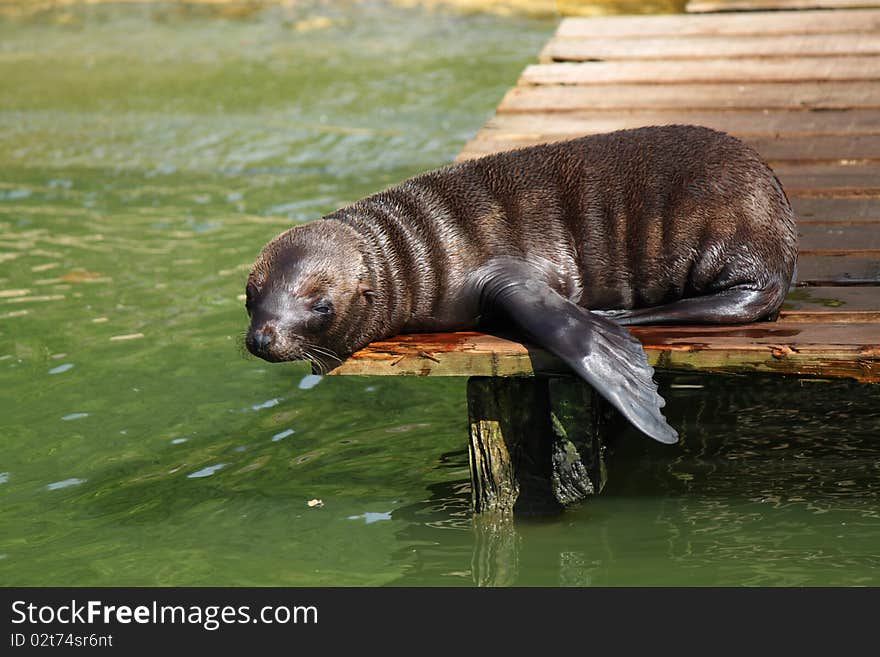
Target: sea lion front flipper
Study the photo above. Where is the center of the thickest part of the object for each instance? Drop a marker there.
(601, 352)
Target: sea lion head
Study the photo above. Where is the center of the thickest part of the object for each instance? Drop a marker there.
(306, 295)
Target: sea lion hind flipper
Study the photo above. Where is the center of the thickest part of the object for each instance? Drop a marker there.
(735, 305)
(602, 352)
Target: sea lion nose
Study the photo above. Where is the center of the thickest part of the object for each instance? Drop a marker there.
(262, 339)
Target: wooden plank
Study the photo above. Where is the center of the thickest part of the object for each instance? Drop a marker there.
(753, 5)
(829, 179)
(823, 148)
(802, 22)
(841, 269)
(743, 123)
(780, 95)
(806, 349)
(747, 69)
(465, 353)
(710, 47)
(834, 238)
(784, 347)
(839, 304)
(819, 149)
(853, 209)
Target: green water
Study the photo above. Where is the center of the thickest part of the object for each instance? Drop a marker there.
(146, 155)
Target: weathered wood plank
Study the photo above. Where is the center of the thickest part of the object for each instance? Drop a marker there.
(834, 238)
(710, 47)
(824, 148)
(802, 22)
(784, 347)
(829, 179)
(838, 304)
(852, 209)
(746, 124)
(747, 69)
(752, 5)
(839, 269)
(743, 123)
(781, 95)
(816, 149)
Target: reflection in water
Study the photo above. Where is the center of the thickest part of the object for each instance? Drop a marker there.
(763, 490)
(495, 560)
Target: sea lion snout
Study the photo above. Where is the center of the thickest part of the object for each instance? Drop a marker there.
(265, 341)
(260, 341)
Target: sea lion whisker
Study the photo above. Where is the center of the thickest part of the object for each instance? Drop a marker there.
(323, 351)
(318, 349)
(311, 360)
(309, 356)
(316, 363)
(320, 364)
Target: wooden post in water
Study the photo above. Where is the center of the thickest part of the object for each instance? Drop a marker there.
(536, 443)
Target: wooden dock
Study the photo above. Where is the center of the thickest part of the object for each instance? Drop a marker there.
(804, 89)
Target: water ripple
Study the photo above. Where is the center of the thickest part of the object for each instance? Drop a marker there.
(266, 404)
(65, 483)
(206, 472)
(309, 381)
(281, 436)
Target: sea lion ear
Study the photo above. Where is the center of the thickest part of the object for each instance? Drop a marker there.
(366, 290)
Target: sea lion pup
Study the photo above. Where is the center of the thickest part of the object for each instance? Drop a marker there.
(672, 224)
